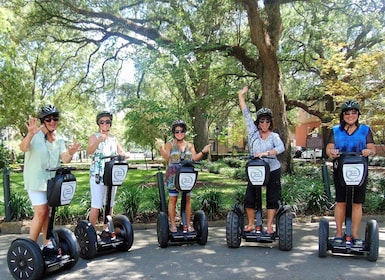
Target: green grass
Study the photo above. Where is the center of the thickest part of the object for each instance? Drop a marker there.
(144, 180)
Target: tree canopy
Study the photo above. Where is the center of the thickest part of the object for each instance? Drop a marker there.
(191, 57)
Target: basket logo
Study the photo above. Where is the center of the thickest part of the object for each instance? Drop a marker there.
(187, 181)
(119, 173)
(353, 174)
(67, 192)
(256, 175)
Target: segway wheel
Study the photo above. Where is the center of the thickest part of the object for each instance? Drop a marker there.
(201, 227)
(126, 231)
(285, 231)
(233, 230)
(68, 246)
(372, 240)
(25, 259)
(86, 236)
(162, 229)
(323, 237)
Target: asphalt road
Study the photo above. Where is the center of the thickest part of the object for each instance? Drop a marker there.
(145, 260)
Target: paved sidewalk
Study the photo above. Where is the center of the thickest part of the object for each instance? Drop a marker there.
(145, 260)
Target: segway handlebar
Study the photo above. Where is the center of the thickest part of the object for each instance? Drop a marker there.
(253, 157)
(118, 157)
(189, 162)
(349, 154)
(61, 168)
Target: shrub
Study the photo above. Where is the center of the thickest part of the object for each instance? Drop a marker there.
(211, 201)
(239, 195)
(216, 166)
(129, 201)
(63, 215)
(20, 206)
(234, 162)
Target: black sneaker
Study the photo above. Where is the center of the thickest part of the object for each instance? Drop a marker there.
(51, 254)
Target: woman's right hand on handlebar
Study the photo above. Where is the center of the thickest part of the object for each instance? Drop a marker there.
(260, 155)
(334, 153)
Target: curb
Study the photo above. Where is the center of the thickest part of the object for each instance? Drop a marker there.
(22, 227)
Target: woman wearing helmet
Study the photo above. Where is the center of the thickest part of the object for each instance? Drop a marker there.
(101, 144)
(349, 136)
(262, 142)
(43, 148)
(173, 152)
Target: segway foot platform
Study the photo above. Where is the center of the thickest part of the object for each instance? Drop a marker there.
(55, 265)
(183, 236)
(346, 247)
(259, 236)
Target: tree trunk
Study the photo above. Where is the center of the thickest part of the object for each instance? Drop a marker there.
(273, 98)
(199, 114)
(265, 31)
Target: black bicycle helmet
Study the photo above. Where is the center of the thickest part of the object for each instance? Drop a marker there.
(103, 114)
(264, 112)
(48, 110)
(177, 123)
(350, 105)
(346, 106)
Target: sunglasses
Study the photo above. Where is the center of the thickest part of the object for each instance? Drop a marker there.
(179, 131)
(264, 121)
(51, 119)
(104, 122)
(350, 112)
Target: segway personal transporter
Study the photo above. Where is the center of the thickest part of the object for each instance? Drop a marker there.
(121, 235)
(185, 181)
(257, 172)
(25, 258)
(351, 170)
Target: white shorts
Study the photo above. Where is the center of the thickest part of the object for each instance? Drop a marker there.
(99, 194)
(37, 197)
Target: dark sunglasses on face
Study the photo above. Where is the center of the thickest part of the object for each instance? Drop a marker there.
(104, 122)
(264, 121)
(350, 112)
(179, 131)
(55, 119)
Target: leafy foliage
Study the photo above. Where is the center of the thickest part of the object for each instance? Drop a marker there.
(20, 206)
(129, 199)
(211, 201)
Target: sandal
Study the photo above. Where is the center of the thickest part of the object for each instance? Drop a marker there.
(338, 240)
(172, 229)
(248, 228)
(191, 229)
(357, 242)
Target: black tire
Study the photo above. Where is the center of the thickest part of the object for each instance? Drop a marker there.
(162, 229)
(285, 231)
(201, 227)
(86, 237)
(126, 231)
(233, 230)
(25, 259)
(68, 246)
(372, 240)
(323, 238)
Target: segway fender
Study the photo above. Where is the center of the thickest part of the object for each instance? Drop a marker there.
(283, 209)
(239, 210)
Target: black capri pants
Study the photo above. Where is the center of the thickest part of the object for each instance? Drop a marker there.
(273, 192)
